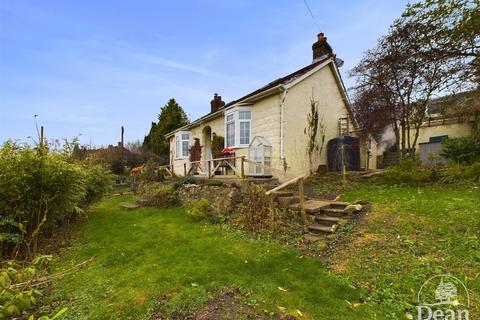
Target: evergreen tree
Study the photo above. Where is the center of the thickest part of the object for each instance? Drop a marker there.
(171, 117)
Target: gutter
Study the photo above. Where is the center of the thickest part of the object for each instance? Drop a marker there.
(282, 125)
(256, 97)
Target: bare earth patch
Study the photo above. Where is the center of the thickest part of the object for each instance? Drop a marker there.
(340, 253)
(225, 305)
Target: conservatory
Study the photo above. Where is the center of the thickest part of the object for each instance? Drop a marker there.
(260, 157)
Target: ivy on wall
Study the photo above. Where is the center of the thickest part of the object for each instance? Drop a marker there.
(195, 151)
(315, 127)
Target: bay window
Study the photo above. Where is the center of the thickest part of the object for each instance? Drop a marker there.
(238, 127)
(230, 127)
(182, 139)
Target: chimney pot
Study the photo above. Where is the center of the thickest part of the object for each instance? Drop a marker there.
(216, 103)
(321, 48)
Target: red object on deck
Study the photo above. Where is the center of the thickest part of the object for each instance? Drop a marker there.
(227, 151)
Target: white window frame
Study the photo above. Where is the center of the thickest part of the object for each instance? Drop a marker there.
(233, 116)
(179, 141)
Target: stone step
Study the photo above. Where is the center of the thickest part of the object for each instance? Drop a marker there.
(339, 204)
(130, 205)
(333, 212)
(313, 237)
(286, 202)
(142, 202)
(320, 228)
(311, 206)
(327, 220)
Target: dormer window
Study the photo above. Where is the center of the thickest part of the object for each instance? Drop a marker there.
(182, 139)
(238, 127)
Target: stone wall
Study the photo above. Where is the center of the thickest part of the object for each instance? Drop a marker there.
(222, 199)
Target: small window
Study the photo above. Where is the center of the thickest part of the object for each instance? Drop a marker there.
(230, 134)
(181, 144)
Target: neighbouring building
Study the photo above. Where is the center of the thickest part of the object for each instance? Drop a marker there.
(447, 118)
(272, 127)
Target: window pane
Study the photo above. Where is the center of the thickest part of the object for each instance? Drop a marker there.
(184, 136)
(244, 115)
(230, 134)
(185, 148)
(244, 132)
(177, 148)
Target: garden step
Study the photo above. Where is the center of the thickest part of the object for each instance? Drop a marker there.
(285, 202)
(130, 205)
(333, 212)
(311, 206)
(320, 228)
(313, 237)
(339, 204)
(327, 220)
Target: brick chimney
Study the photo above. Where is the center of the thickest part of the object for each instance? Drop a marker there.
(217, 103)
(321, 48)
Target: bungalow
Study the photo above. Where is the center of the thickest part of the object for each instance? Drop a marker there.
(279, 130)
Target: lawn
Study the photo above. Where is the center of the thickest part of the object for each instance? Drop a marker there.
(158, 261)
(150, 255)
(411, 234)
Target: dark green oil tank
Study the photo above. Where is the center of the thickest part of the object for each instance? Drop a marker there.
(343, 148)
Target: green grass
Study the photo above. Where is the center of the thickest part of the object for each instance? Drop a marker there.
(412, 234)
(148, 253)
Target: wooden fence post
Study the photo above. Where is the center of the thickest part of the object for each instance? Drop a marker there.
(184, 169)
(242, 172)
(209, 168)
(302, 199)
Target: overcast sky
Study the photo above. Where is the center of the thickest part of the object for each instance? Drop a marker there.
(88, 67)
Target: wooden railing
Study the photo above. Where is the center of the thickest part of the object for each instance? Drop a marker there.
(168, 169)
(301, 192)
(209, 167)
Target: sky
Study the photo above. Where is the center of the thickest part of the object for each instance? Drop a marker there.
(85, 68)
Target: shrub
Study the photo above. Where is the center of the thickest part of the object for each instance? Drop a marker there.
(456, 172)
(17, 295)
(213, 182)
(98, 181)
(259, 212)
(199, 209)
(159, 195)
(151, 173)
(464, 150)
(38, 189)
(407, 172)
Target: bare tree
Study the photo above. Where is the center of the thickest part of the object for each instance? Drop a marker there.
(404, 75)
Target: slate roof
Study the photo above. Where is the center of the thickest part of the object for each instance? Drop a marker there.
(283, 80)
(279, 81)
